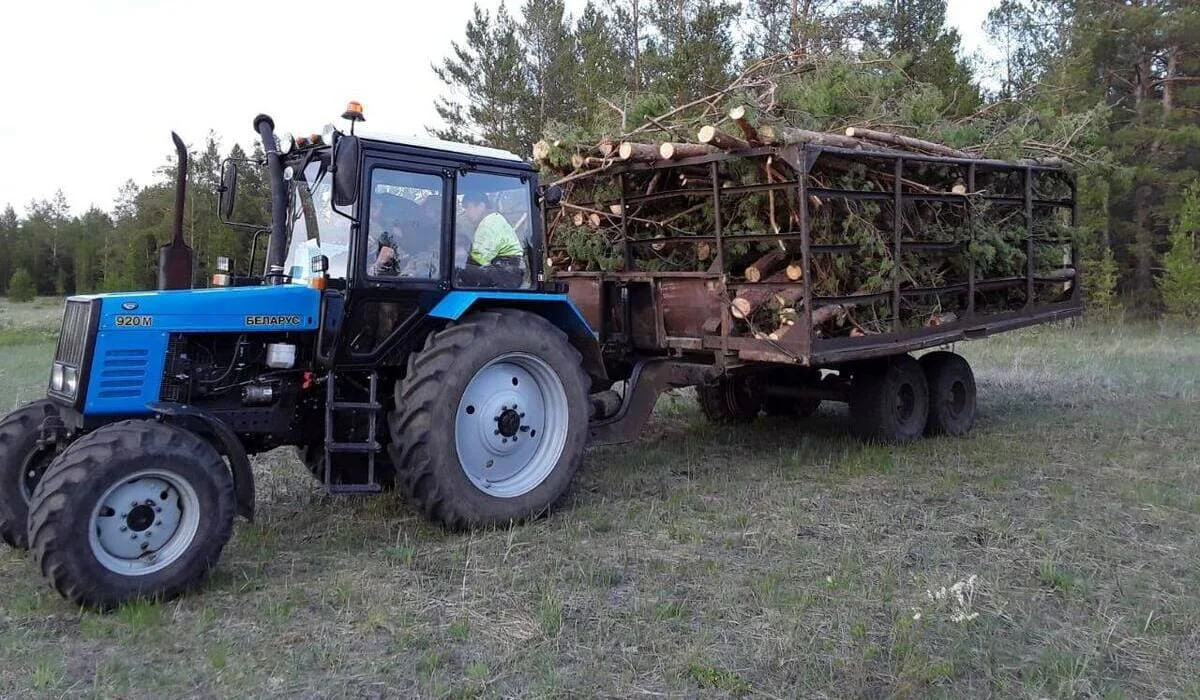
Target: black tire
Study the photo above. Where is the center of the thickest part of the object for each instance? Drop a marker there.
(424, 433)
(348, 468)
(787, 407)
(889, 400)
(61, 522)
(951, 394)
(731, 399)
(22, 465)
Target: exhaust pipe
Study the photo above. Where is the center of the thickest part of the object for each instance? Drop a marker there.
(276, 244)
(175, 258)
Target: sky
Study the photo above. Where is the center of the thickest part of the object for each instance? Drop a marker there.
(93, 88)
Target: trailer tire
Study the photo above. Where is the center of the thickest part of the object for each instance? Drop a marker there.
(952, 394)
(462, 400)
(347, 468)
(183, 505)
(730, 399)
(22, 465)
(889, 400)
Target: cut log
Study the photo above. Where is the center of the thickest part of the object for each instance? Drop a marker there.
(631, 150)
(794, 272)
(1066, 273)
(541, 150)
(907, 142)
(615, 209)
(606, 149)
(703, 251)
(577, 219)
(738, 115)
(750, 298)
(670, 150)
(825, 314)
(781, 332)
(758, 269)
(784, 135)
(594, 220)
(577, 161)
(713, 136)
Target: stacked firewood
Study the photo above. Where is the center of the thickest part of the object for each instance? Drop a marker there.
(666, 220)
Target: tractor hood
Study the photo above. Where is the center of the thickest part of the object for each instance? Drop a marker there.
(221, 309)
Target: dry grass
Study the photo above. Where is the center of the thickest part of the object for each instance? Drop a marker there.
(781, 559)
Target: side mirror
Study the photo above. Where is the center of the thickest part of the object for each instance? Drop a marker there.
(552, 195)
(345, 170)
(228, 190)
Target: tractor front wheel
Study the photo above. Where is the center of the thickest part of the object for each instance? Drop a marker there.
(22, 463)
(136, 509)
(491, 420)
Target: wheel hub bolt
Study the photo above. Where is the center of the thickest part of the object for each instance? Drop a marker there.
(145, 545)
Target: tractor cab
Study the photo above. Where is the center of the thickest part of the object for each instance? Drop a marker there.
(387, 226)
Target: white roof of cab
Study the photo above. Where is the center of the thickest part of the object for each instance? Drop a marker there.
(439, 144)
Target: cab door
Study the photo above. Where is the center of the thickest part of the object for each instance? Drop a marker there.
(400, 258)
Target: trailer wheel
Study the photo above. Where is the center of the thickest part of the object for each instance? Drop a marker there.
(134, 509)
(347, 468)
(491, 420)
(889, 400)
(788, 407)
(730, 399)
(951, 393)
(22, 464)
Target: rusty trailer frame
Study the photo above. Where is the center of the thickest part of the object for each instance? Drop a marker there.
(686, 315)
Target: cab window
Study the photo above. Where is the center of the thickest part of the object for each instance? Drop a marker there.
(494, 226)
(404, 225)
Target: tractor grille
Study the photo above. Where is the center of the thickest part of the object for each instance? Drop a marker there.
(73, 340)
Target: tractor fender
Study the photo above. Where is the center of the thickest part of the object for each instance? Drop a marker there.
(558, 309)
(223, 439)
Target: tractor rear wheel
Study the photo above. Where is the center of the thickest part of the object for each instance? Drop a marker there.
(733, 398)
(22, 464)
(134, 509)
(491, 420)
(951, 394)
(889, 400)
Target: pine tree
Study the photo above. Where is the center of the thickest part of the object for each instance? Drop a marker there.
(601, 62)
(1180, 282)
(548, 45)
(20, 286)
(1137, 59)
(487, 81)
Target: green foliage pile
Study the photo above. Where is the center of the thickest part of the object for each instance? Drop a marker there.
(1110, 87)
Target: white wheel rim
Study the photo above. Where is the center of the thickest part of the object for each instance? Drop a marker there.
(145, 523)
(511, 425)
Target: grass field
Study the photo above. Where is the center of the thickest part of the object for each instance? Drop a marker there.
(1052, 554)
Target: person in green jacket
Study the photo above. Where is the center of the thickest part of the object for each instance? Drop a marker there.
(496, 257)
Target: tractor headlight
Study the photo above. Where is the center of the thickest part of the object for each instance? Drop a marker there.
(286, 143)
(71, 380)
(57, 377)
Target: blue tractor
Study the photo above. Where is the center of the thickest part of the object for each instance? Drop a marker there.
(400, 335)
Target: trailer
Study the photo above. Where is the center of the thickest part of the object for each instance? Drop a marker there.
(669, 328)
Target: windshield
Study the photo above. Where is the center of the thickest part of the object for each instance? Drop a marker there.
(314, 228)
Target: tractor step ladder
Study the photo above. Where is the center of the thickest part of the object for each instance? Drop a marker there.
(370, 447)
